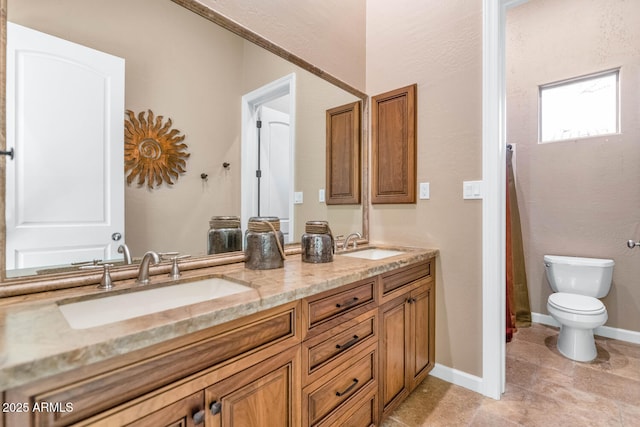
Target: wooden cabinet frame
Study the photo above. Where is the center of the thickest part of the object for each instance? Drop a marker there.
(343, 154)
(393, 146)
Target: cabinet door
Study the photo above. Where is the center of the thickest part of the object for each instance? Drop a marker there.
(393, 146)
(421, 349)
(394, 340)
(187, 412)
(343, 155)
(261, 396)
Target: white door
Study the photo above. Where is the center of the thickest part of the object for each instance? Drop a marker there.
(275, 183)
(65, 121)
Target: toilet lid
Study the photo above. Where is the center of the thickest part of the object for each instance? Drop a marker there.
(576, 303)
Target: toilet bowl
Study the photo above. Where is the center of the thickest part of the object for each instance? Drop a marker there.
(578, 283)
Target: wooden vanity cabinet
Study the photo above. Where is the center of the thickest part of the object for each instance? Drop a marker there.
(145, 381)
(345, 357)
(340, 356)
(407, 332)
(261, 395)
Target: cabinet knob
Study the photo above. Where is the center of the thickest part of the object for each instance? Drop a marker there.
(198, 417)
(215, 408)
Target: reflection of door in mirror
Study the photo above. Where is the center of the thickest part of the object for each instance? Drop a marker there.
(65, 193)
(274, 164)
(268, 153)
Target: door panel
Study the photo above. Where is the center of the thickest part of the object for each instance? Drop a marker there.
(65, 102)
(275, 186)
(395, 336)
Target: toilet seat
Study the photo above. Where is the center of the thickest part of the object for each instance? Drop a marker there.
(576, 304)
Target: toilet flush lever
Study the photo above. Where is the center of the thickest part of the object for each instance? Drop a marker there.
(631, 244)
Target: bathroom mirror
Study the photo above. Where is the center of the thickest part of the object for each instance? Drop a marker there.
(184, 66)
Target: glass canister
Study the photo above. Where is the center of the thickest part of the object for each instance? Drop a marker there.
(317, 242)
(264, 243)
(224, 235)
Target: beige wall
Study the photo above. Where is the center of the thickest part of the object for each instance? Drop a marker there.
(577, 197)
(329, 34)
(438, 45)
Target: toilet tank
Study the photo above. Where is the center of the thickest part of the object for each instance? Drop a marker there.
(584, 276)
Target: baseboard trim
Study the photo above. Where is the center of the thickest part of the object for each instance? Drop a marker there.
(603, 331)
(457, 377)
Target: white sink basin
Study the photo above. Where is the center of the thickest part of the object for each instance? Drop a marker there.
(373, 253)
(109, 309)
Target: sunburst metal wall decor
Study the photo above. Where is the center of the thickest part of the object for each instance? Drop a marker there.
(153, 152)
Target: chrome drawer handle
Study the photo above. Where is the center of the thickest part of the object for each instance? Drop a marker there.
(355, 383)
(348, 303)
(348, 343)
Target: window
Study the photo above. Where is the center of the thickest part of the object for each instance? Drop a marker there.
(580, 107)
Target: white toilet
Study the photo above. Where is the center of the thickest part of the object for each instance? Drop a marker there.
(577, 283)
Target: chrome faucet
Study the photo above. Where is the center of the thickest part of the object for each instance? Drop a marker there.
(345, 245)
(143, 273)
(124, 249)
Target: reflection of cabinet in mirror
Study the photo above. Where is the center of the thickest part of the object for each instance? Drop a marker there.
(393, 155)
(343, 154)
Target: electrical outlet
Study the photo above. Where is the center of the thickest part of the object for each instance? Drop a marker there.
(297, 198)
(321, 195)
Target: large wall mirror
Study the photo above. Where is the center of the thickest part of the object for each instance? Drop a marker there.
(183, 66)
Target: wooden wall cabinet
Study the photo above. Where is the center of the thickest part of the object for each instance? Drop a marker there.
(343, 155)
(393, 146)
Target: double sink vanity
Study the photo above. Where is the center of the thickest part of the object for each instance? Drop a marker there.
(339, 343)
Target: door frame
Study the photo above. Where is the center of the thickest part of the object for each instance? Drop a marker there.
(249, 145)
(494, 181)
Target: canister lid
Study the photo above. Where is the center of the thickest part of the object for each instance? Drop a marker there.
(224, 222)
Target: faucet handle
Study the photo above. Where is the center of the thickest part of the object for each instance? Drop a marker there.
(174, 273)
(105, 282)
(168, 255)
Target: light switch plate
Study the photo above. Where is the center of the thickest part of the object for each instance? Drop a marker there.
(321, 195)
(425, 192)
(472, 190)
(297, 198)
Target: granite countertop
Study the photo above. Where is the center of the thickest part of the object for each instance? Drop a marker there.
(36, 341)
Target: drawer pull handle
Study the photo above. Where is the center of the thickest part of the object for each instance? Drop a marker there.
(198, 417)
(348, 343)
(348, 303)
(355, 383)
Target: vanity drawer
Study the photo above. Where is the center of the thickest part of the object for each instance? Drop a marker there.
(396, 279)
(322, 353)
(363, 413)
(321, 399)
(329, 305)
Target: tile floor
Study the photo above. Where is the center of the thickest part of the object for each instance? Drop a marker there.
(543, 389)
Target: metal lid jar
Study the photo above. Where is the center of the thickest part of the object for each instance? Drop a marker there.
(317, 242)
(264, 243)
(224, 235)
